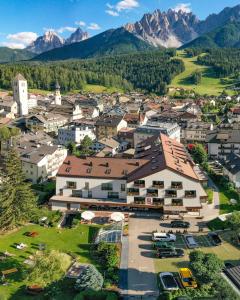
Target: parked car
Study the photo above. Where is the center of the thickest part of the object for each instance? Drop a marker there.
(163, 237)
(187, 279)
(190, 241)
(215, 238)
(168, 281)
(162, 245)
(180, 224)
(167, 253)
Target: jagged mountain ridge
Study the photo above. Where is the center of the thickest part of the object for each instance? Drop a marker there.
(176, 28)
(51, 40)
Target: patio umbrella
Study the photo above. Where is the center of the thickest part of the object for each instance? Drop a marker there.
(117, 216)
(88, 215)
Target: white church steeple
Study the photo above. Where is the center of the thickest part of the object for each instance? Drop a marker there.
(20, 94)
(58, 97)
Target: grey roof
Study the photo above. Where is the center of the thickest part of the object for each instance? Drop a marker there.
(19, 77)
(231, 163)
(108, 121)
(224, 136)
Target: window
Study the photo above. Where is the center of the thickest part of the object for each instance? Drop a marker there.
(113, 195)
(139, 200)
(158, 201)
(123, 187)
(139, 183)
(133, 191)
(170, 193)
(158, 184)
(176, 185)
(177, 202)
(152, 192)
(190, 194)
(86, 186)
(77, 193)
(107, 187)
(71, 185)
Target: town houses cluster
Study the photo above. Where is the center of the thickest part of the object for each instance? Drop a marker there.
(139, 152)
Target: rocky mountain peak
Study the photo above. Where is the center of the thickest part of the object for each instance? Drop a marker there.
(167, 29)
(77, 36)
(50, 40)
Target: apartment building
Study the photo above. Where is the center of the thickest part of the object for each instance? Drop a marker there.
(40, 158)
(223, 141)
(75, 132)
(195, 132)
(161, 177)
(155, 128)
(48, 122)
(109, 126)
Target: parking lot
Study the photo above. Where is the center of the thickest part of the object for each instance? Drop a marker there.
(226, 252)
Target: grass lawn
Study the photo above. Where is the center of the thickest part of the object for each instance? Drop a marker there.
(75, 240)
(225, 196)
(100, 89)
(227, 252)
(209, 192)
(209, 85)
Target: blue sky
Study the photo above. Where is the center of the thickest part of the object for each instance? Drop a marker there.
(23, 20)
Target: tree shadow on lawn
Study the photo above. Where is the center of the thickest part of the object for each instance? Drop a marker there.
(11, 263)
(61, 290)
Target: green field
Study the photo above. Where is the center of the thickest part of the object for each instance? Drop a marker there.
(209, 85)
(88, 88)
(74, 241)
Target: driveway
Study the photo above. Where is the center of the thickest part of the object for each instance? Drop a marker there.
(142, 280)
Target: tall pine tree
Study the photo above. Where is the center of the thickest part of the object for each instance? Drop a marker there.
(17, 201)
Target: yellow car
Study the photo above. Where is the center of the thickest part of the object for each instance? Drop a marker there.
(187, 279)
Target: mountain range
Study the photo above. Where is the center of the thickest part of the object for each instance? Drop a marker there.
(171, 29)
(51, 40)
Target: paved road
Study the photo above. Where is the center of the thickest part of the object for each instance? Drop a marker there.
(142, 280)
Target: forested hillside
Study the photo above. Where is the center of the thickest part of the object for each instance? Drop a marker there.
(12, 55)
(224, 62)
(148, 71)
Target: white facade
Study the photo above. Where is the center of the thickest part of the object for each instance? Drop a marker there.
(75, 134)
(47, 167)
(20, 94)
(172, 130)
(32, 101)
(92, 188)
(57, 96)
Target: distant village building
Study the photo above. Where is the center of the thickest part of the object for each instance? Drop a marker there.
(47, 122)
(75, 132)
(141, 133)
(108, 126)
(224, 140)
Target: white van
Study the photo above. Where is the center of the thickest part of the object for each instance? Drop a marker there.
(163, 237)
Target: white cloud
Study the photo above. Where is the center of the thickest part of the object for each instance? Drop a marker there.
(94, 26)
(22, 38)
(112, 12)
(66, 28)
(110, 6)
(184, 7)
(80, 23)
(13, 45)
(126, 4)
